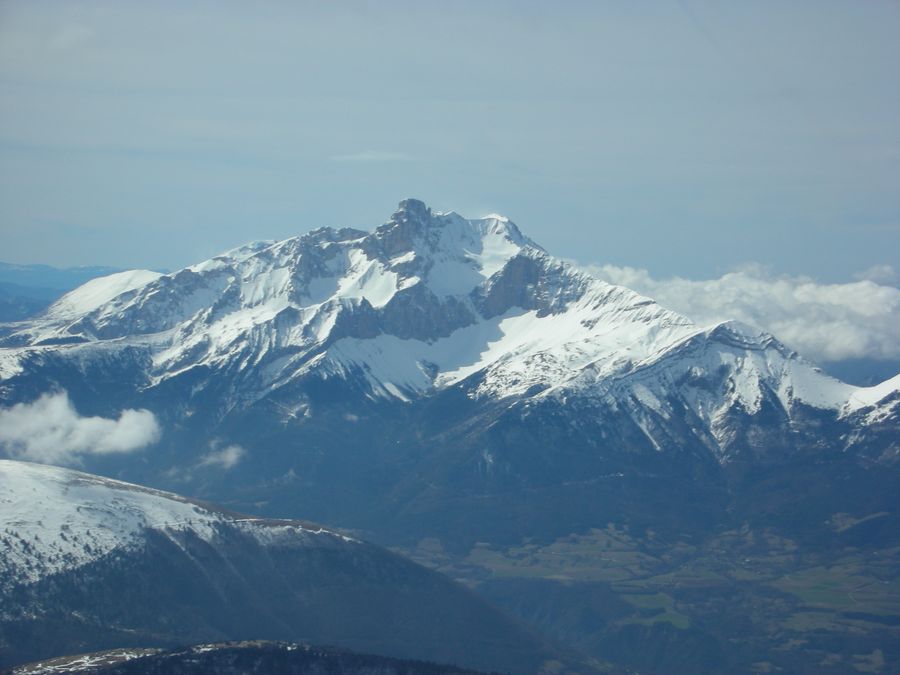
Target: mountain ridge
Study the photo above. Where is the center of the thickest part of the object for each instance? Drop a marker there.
(424, 302)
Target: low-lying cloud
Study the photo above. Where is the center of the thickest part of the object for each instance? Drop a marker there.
(51, 431)
(824, 322)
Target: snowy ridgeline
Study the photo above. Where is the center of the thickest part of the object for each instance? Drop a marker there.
(54, 519)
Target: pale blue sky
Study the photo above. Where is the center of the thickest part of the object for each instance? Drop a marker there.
(683, 137)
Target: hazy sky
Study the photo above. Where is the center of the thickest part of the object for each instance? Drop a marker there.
(682, 137)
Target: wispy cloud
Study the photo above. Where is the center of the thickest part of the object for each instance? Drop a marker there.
(51, 431)
(223, 458)
(824, 322)
(371, 156)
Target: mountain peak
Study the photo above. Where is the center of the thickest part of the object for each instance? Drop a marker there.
(411, 211)
(411, 218)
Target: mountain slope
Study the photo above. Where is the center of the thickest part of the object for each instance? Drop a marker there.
(91, 563)
(242, 658)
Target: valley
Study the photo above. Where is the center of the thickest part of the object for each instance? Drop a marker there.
(751, 600)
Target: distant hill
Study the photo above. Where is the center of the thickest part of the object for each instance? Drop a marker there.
(26, 290)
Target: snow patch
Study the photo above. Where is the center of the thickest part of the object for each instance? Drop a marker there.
(54, 519)
(863, 397)
(97, 292)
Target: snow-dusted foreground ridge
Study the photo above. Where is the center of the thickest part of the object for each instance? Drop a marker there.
(426, 303)
(88, 563)
(54, 520)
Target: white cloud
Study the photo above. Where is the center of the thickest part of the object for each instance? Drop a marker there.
(50, 430)
(879, 274)
(224, 458)
(824, 322)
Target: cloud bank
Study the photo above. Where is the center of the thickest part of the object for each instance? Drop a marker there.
(51, 431)
(824, 322)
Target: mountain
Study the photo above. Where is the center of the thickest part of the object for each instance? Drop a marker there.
(427, 309)
(445, 386)
(91, 563)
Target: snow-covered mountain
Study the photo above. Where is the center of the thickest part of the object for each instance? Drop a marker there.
(391, 379)
(424, 303)
(90, 563)
(57, 520)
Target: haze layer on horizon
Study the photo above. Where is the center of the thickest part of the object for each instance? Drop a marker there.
(687, 138)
